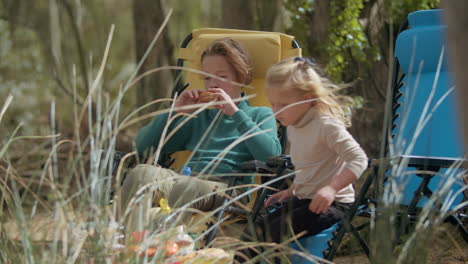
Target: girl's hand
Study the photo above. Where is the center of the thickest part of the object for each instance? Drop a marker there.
(188, 97)
(278, 197)
(229, 107)
(322, 199)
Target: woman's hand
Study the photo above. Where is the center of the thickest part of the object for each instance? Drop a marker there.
(278, 197)
(322, 199)
(188, 97)
(229, 107)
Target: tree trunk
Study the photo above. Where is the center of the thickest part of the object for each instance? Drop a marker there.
(367, 122)
(457, 42)
(319, 23)
(148, 16)
(237, 14)
(268, 14)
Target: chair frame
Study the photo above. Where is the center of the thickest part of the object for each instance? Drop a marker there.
(361, 206)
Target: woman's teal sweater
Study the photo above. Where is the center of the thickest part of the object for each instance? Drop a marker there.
(208, 144)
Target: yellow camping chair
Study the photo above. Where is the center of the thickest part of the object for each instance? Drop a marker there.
(265, 49)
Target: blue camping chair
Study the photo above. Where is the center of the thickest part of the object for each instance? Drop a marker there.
(316, 245)
(423, 133)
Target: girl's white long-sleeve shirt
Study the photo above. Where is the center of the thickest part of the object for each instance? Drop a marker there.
(320, 148)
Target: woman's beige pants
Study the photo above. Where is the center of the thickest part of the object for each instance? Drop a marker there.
(146, 184)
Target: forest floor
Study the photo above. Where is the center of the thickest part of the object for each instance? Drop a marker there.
(447, 246)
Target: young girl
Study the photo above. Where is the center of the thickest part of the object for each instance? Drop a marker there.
(327, 159)
(229, 61)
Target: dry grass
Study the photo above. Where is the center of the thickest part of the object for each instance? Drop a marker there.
(55, 193)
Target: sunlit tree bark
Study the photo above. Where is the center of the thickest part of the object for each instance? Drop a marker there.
(457, 42)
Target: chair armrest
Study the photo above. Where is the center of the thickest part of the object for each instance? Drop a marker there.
(279, 165)
(272, 165)
(422, 161)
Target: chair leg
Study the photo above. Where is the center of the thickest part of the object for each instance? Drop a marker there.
(219, 217)
(361, 240)
(335, 243)
(220, 214)
(347, 226)
(258, 204)
(460, 226)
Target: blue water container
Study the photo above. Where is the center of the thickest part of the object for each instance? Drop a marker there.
(187, 171)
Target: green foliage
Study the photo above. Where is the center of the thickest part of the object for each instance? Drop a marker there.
(399, 10)
(30, 66)
(22, 74)
(346, 42)
(18, 57)
(346, 38)
(300, 11)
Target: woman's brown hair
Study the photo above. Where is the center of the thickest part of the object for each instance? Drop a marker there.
(235, 54)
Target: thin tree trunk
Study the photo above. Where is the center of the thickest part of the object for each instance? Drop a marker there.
(148, 16)
(237, 14)
(268, 12)
(79, 43)
(457, 42)
(319, 24)
(367, 122)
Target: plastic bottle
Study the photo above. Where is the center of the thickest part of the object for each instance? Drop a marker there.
(185, 242)
(164, 206)
(187, 171)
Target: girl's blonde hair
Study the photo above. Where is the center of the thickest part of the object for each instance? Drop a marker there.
(304, 76)
(235, 54)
